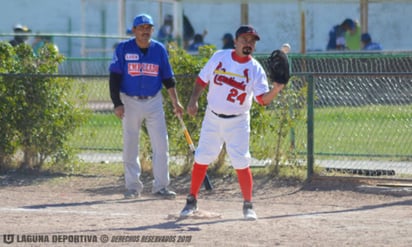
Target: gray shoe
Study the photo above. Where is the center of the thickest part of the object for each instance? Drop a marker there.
(190, 207)
(248, 211)
(165, 193)
(131, 194)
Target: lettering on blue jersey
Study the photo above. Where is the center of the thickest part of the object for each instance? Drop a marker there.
(131, 57)
(137, 69)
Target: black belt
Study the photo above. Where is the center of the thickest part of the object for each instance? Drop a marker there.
(224, 116)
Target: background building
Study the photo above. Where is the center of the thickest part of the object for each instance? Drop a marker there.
(277, 21)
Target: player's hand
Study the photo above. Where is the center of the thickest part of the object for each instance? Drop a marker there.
(119, 111)
(192, 108)
(178, 109)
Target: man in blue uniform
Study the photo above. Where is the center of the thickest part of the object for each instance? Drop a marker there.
(368, 44)
(138, 71)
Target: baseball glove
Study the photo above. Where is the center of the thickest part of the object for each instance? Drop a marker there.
(279, 67)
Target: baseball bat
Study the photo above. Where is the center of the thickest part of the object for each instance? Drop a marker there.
(206, 181)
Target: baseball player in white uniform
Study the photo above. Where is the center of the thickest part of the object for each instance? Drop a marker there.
(234, 78)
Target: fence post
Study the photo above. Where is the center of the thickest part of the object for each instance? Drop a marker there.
(310, 126)
(292, 129)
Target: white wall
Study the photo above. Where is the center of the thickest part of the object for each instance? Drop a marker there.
(276, 23)
(280, 22)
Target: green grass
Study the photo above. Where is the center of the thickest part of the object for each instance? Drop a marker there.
(96, 89)
(368, 130)
(380, 132)
(346, 131)
(102, 131)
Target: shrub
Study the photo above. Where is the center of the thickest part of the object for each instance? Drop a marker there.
(37, 114)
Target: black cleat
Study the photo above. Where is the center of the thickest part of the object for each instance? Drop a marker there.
(190, 207)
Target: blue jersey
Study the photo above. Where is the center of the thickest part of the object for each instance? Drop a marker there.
(142, 74)
(336, 36)
(372, 46)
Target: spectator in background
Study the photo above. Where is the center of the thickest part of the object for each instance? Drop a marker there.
(197, 42)
(188, 32)
(352, 35)
(19, 29)
(368, 44)
(336, 38)
(165, 33)
(129, 32)
(345, 36)
(285, 48)
(40, 41)
(228, 42)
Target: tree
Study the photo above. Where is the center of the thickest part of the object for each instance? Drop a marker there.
(38, 113)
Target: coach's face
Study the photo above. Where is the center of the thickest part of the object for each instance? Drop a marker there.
(143, 34)
(245, 44)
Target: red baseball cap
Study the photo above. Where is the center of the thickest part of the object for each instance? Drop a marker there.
(247, 29)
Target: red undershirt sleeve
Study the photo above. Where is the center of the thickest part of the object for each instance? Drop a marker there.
(259, 99)
(201, 82)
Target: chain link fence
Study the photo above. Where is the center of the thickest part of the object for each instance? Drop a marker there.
(362, 112)
(362, 122)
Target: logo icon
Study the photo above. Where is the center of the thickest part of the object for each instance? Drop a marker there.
(8, 238)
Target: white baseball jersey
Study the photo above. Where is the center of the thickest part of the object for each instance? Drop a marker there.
(233, 82)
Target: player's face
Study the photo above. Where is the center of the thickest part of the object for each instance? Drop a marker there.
(143, 33)
(245, 44)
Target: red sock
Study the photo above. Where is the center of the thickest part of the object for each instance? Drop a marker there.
(245, 179)
(198, 175)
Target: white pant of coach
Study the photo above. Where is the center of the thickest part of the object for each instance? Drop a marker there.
(151, 111)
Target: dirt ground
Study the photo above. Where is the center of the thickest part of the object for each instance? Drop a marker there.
(51, 210)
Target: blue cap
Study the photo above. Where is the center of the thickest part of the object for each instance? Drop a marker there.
(228, 36)
(142, 19)
(366, 37)
(349, 23)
